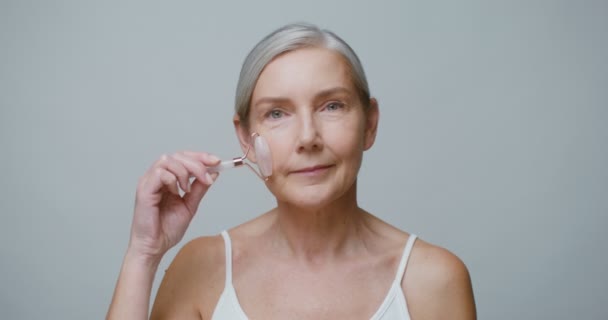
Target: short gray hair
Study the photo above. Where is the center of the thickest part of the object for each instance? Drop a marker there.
(289, 38)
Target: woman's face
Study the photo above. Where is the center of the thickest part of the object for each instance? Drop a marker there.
(306, 107)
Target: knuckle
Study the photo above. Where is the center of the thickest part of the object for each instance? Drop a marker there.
(200, 169)
(164, 158)
(158, 171)
(171, 178)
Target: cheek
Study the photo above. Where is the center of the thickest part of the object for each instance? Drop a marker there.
(275, 140)
(280, 149)
(350, 152)
(345, 140)
(348, 146)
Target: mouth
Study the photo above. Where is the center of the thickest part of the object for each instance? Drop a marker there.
(313, 169)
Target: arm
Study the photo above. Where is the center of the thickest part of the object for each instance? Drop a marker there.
(454, 292)
(193, 281)
(132, 293)
(440, 286)
(161, 216)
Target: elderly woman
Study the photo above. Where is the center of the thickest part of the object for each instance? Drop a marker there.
(317, 254)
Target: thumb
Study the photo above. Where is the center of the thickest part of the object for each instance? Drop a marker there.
(198, 189)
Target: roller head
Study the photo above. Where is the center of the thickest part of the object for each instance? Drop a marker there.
(262, 152)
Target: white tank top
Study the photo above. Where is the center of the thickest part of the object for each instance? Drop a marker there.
(394, 306)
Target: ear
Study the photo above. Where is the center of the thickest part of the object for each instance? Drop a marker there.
(371, 123)
(242, 132)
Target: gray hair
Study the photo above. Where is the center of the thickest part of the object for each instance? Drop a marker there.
(289, 38)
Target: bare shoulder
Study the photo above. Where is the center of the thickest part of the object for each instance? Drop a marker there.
(193, 282)
(437, 284)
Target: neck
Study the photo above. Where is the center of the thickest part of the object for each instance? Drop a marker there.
(321, 233)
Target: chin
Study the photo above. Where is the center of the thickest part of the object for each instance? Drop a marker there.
(310, 198)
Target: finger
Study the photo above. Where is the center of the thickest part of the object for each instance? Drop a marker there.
(151, 182)
(206, 158)
(176, 168)
(195, 168)
(198, 190)
(168, 180)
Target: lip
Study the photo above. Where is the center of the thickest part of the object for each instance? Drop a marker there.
(313, 169)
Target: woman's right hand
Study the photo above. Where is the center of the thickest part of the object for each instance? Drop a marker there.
(162, 215)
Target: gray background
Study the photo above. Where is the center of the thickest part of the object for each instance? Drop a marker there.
(492, 139)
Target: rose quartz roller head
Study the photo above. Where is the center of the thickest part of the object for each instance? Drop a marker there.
(264, 159)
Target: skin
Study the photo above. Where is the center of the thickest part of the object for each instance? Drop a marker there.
(317, 254)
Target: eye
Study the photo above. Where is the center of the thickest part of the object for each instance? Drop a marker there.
(333, 106)
(275, 114)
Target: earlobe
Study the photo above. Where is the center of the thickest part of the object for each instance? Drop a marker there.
(371, 123)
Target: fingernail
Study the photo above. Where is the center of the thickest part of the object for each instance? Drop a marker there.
(214, 158)
(208, 178)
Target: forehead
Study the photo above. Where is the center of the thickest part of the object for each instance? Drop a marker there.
(303, 72)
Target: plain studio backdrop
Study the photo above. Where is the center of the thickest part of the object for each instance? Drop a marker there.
(492, 140)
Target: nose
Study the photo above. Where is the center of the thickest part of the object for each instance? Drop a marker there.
(309, 138)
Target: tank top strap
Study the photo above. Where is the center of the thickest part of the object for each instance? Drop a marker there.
(405, 257)
(228, 254)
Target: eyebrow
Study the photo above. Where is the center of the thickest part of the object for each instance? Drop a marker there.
(322, 94)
